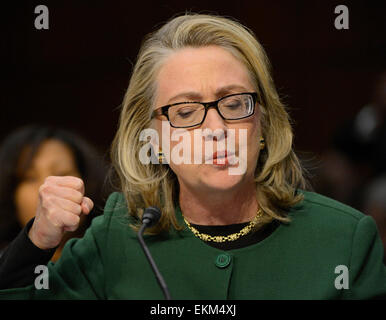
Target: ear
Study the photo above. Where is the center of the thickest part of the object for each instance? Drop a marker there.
(154, 142)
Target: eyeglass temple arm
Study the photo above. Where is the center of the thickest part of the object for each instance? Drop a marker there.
(156, 113)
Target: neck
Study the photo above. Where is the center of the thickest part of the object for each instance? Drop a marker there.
(216, 207)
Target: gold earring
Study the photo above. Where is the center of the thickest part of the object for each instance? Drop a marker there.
(161, 157)
(262, 143)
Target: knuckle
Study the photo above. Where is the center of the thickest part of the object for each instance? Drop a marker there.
(70, 229)
(50, 212)
(78, 196)
(53, 220)
(78, 209)
(73, 221)
(43, 189)
(78, 183)
(46, 191)
(46, 201)
(49, 180)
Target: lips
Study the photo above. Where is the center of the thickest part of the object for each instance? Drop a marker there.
(221, 158)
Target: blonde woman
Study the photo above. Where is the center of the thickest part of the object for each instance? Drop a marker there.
(203, 81)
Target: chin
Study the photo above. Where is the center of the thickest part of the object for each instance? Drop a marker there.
(220, 179)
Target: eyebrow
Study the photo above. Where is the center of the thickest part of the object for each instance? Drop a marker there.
(195, 96)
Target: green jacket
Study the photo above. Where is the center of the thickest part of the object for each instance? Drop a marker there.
(299, 260)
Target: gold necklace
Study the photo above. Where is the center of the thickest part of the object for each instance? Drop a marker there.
(230, 237)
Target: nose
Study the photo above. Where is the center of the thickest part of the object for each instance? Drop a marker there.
(214, 121)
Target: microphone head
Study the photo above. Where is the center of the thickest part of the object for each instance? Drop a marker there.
(151, 216)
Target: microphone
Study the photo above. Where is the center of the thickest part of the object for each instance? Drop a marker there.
(149, 218)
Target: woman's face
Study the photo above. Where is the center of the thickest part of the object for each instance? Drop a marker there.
(53, 158)
(207, 74)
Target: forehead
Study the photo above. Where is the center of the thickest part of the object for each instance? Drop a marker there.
(49, 152)
(203, 70)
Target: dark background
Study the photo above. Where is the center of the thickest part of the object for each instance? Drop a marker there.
(75, 74)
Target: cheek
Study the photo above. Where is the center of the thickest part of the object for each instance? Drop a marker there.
(253, 149)
(254, 134)
(253, 142)
(249, 134)
(248, 141)
(26, 199)
(181, 155)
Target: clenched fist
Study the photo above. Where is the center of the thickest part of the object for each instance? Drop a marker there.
(61, 202)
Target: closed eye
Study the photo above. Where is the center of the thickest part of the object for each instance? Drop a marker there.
(185, 113)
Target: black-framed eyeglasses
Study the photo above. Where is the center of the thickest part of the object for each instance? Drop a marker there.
(190, 114)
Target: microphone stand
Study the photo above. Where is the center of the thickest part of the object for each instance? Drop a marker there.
(158, 275)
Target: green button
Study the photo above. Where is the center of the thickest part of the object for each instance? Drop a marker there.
(223, 260)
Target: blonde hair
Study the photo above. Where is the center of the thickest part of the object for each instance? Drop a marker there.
(278, 173)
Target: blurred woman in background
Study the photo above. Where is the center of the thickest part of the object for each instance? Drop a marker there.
(27, 157)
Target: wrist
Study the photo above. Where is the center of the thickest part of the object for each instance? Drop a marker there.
(38, 239)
